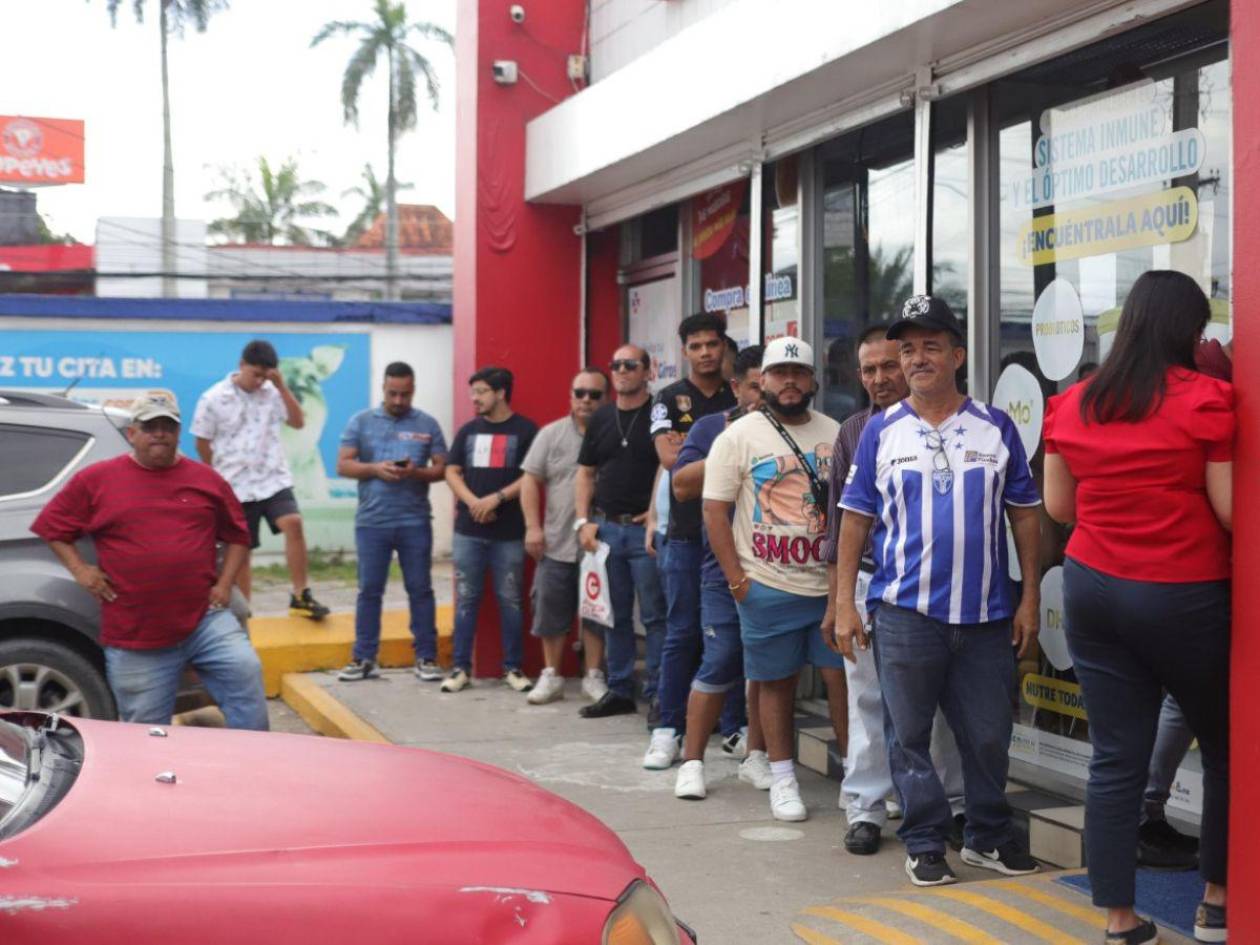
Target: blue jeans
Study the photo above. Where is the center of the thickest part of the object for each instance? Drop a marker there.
(969, 671)
(146, 682)
(506, 562)
(375, 546)
(684, 645)
(631, 573)
(654, 643)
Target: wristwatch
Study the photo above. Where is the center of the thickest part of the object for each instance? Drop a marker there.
(577, 525)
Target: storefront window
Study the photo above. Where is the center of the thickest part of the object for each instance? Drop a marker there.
(653, 294)
(719, 253)
(1113, 162)
(868, 211)
(951, 207)
(780, 248)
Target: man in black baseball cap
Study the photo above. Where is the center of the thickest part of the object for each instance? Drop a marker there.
(927, 312)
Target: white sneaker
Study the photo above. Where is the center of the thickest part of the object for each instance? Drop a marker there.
(690, 783)
(517, 680)
(662, 749)
(755, 770)
(549, 688)
(594, 686)
(785, 800)
(893, 807)
(455, 680)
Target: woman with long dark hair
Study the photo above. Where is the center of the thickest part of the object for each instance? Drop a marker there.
(1139, 458)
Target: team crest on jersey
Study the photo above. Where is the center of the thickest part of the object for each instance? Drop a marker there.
(942, 481)
(683, 403)
(660, 412)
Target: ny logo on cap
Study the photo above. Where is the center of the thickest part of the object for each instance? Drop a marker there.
(792, 351)
(916, 305)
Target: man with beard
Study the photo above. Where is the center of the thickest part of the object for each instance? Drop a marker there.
(551, 466)
(771, 467)
(612, 492)
(704, 391)
(155, 518)
(929, 484)
(867, 780)
(395, 451)
(485, 475)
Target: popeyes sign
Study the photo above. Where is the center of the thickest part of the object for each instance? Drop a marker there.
(40, 150)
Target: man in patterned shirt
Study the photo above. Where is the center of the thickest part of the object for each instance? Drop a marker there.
(237, 430)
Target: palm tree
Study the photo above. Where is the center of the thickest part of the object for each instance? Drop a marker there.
(270, 210)
(388, 34)
(373, 196)
(173, 16)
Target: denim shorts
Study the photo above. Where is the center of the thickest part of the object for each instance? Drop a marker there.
(722, 657)
(781, 633)
(554, 597)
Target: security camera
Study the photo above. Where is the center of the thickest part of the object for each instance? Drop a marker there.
(503, 71)
(517, 13)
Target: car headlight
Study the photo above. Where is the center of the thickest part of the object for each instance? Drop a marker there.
(641, 917)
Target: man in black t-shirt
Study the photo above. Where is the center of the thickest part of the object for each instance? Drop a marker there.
(612, 491)
(484, 472)
(677, 407)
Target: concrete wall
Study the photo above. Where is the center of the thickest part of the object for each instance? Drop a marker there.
(623, 30)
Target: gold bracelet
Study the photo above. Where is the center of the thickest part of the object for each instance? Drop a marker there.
(738, 584)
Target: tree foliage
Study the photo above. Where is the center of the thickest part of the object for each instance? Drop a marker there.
(272, 208)
(372, 193)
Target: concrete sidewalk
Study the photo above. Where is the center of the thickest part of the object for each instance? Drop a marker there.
(729, 870)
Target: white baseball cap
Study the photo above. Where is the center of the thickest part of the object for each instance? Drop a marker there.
(788, 350)
(153, 404)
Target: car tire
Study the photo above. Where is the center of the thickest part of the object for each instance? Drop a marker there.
(45, 676)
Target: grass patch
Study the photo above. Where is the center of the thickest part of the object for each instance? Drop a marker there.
(321, 565)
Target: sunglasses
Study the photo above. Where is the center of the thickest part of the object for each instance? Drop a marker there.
(587, 393)
(626, 364)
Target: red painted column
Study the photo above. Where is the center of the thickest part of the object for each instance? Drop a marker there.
(604, 332)
(1244, 870)
(517, 265)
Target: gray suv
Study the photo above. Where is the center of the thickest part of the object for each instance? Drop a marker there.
(49, 656)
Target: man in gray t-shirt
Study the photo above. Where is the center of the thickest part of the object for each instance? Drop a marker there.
(550, 466)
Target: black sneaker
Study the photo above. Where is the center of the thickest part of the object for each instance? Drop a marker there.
(1143, 934)
(428, 670)
(862, 838)
(955, 836)
(610, 704)
(1209, 923)
(1162, 847)
(356, 670)
(304, 605)
(929, 869)
(1009, 858)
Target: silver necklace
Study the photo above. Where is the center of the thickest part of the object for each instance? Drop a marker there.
(625, 434)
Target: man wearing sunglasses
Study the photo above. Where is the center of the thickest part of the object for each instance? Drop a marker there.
(613, 489)
(930, 481)
(155, 517)
(550, 466)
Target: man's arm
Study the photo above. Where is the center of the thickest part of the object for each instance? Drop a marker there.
(234, 558)
(717, 522)
(349, 466)
(848, 631)
(688, 482)
(1026, 526)
(204, 450)
(293, 415)
(84, 574)
(667, 446)
(531, 506)
(434, 472)
(583, 497)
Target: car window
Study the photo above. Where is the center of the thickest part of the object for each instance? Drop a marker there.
(32, 457)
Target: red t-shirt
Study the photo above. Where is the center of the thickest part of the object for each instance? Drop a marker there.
(1142, 510)
(155, 532)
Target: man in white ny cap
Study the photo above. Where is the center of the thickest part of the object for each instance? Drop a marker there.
(771, 467)
(155, 519)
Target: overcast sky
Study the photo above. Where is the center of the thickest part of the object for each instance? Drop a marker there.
(249, 86)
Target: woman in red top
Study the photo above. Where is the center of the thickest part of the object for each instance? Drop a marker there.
(1138, 457)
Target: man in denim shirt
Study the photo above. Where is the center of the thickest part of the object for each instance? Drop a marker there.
(394, 451)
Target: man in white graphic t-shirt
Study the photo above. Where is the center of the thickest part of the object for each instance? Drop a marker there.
(772, 467)
(237, 430)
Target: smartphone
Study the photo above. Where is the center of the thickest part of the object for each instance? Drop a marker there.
(401, 462)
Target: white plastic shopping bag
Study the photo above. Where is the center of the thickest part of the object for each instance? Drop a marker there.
(596, 602)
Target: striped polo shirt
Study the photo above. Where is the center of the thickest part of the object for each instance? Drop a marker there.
(937, 497)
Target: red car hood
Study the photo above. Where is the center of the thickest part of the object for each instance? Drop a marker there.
(251, 809)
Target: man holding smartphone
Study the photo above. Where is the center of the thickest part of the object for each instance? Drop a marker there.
(395, 451)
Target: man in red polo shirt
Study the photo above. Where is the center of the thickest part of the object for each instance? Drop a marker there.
(155, 518)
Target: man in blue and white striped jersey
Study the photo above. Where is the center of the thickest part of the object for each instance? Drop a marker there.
(930, 481)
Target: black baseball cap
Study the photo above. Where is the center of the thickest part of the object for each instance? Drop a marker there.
(926, 311)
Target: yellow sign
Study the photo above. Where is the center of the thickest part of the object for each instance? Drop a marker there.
(1168, 216)
(1057, 695)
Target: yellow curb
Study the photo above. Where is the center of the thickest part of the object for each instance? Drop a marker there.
(298, 645)
(324, 713)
